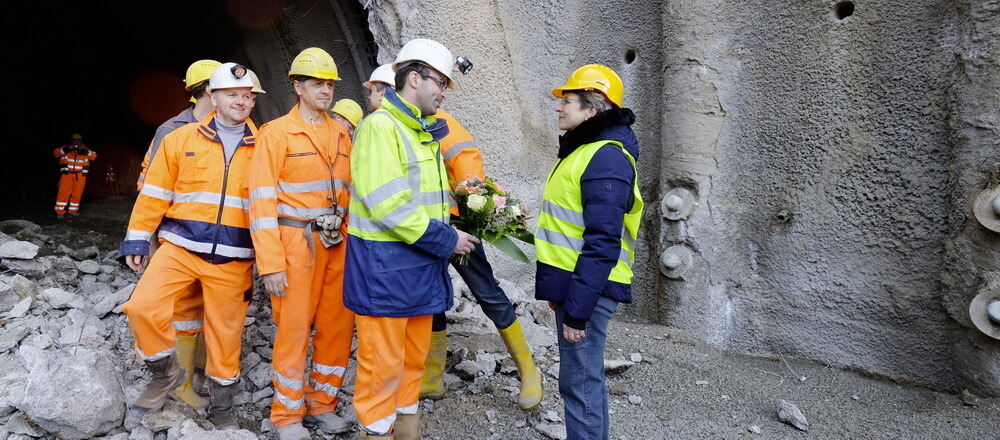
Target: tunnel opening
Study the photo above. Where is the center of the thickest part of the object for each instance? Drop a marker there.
(843, 9)
(114, 74)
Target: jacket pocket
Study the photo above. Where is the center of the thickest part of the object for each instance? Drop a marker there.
(404, 278)
(192, 172)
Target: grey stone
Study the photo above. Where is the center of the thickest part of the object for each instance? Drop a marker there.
(16, 424)
(12, 334)
(17, 249)
(141, 433)
(20, 309)
(552, 430)
(89, 266)
(262, 394)
(487, 362)
(249, 361)
(617, 366)
(57, 385)
(22, 285)
(61, 299)
(112, 301)
(30, 268)
(551, 416)
(635, 400)
(635, 357)
(754, 429)
(172, 415)
(189, 430)
(468, 369)
(83, 329)
(260, 376)
(64, 250)
(790, 414)
(85, 253)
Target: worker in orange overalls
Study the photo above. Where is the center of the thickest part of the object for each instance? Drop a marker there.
(348, 113)
(196, 199)
(74, 164)
(299, 196)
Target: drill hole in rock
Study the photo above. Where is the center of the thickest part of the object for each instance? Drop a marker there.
(843, 10)
(629, 56)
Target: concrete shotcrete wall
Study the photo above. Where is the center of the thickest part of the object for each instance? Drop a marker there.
(832, 158)
(972, 251)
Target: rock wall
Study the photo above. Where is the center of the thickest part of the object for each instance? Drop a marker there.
(827, 154)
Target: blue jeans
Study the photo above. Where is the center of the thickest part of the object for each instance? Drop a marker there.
(478, 275)
(581, 375)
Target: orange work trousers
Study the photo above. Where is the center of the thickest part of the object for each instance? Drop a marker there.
(313, 298)
(225, 292)
(70, 192)
(189, 316)
(391, 355)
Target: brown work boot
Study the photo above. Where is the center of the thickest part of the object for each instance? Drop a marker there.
(167, 375)
(220, 406)
(407, 427)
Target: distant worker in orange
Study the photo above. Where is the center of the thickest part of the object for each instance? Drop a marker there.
(299, 195)
(74, 164)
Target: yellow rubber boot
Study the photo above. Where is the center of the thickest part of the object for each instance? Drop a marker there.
(531, 377)
(432, 385)
(186, 346)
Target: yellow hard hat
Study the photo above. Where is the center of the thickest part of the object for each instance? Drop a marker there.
(314, 62)
(256, 83)
(198, 72)
(78, 136)
(594, 77)
(349, 109)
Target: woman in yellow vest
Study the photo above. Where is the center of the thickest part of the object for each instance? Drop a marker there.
(585, 239)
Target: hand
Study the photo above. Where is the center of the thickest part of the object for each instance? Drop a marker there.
(275, 283)
(573, 335)
(553, 305)
(136, 262)
(466, 242)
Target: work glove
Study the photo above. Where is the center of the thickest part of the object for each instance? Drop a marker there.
(329, 229)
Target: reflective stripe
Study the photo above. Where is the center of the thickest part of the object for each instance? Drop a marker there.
(458, 148)
(563, 213)
(309, 213)
(384, 192)
(264, 223)
(412, 409)
(625, 257)
(189, 325)
(157, 192)
(394, 218)
(327, 370)
(330, 390)
(431, 198)
(380, 426)
(154, 356)
(289, 403)
(558, 239)
(210, 198)
(224, 382)
(264, 192)
(197, 246)
(304, 187)
(287, 382)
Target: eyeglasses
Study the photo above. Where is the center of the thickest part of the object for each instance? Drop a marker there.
(440, 82)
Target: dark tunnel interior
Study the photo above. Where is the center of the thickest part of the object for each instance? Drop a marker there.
(112, 72)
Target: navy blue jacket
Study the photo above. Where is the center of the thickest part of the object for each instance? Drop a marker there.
(606, 186)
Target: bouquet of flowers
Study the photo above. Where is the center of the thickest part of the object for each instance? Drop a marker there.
(488, 212)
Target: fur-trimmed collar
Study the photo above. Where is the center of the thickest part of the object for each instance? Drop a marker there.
(594, 129)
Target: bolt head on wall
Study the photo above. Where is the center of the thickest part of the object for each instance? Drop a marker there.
(678, 204)
(979, 311)
(987, 209)
(676, 261)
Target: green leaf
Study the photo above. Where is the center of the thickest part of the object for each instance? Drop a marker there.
(524, 236)
(508, 247)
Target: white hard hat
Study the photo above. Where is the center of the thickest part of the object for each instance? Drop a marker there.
(257, 88)
(228, 76)
(431, 53)
(384, 74)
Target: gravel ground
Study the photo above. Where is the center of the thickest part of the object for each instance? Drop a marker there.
(681, 388)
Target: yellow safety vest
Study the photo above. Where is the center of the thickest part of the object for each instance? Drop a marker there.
(559, 234)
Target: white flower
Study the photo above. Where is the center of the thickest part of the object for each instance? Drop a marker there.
(514, 210)
(476, 202)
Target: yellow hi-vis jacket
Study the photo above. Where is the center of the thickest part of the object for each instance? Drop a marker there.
(559, 233)
(399, 239)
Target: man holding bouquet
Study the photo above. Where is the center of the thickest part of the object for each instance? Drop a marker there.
(399, 240)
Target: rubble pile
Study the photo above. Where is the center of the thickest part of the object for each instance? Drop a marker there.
(68, 369)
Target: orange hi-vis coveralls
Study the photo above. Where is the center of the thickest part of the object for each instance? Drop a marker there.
(461, 153)
(188, 312)
(302, 171)
(199, 203)
(74, 167)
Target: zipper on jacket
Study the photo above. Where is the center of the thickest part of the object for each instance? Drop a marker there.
(222, 200)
